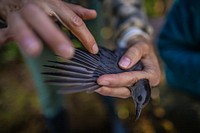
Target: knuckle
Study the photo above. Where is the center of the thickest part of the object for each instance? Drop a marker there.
(133, 81)
(135, 51)
(76, 21)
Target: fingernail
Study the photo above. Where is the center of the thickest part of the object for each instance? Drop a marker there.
(103, 83)
(65, 50)
(95, 48)
(125, 62)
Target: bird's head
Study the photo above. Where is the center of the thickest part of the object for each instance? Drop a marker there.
(141, 93)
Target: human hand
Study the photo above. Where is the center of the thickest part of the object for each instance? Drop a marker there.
(29, 24)
(116, 84)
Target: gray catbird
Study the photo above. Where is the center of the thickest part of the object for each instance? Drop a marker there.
(81, 72)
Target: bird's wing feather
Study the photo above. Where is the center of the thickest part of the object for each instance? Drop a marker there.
(76, 74)
(88, 88)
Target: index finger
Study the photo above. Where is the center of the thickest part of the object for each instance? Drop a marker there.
(76, 25)
(122, 79)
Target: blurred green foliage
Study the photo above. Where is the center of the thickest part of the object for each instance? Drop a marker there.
(8, 53)
(17, 113)
(155, 8)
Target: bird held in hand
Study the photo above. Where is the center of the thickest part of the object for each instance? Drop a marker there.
(82, 71)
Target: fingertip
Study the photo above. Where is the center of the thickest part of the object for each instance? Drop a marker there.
(89, 14)
(95, 49)
(36, 51)
(125, 62)
(65, 51)
(130, 58)
(94, 13)
(31, 47)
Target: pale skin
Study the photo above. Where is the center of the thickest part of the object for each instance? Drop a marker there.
(36, 17)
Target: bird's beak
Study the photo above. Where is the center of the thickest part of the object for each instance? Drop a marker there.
(138, 110)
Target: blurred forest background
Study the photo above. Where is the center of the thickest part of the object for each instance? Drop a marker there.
(168, 112)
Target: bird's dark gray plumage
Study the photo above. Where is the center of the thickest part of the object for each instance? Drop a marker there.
(81, 72)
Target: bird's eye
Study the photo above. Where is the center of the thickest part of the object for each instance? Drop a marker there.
(139, 98)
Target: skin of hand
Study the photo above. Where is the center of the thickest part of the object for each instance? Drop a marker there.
(30, 20)
(116, 84)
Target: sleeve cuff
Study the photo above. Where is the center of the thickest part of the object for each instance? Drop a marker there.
(129, 34)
